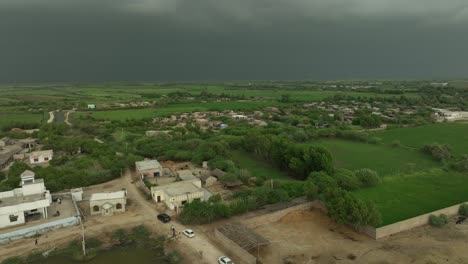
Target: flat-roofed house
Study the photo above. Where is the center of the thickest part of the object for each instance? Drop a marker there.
(107, 204)
(41, 156)
(177, 194)
(32, 198)
(149, 168)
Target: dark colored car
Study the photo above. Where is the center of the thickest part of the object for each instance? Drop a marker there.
(164, 218)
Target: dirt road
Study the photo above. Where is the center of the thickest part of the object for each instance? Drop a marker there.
(140, 211)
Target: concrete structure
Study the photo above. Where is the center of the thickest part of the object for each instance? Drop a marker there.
(107, 204)
(435, 84)
(176, 194)
(7, 155)
(77, 194)
(91, 106)
(149, 168)
(42, 156)
(208, 180)
(32, 198)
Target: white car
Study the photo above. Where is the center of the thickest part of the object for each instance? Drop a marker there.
(188, 233)
(225, 260)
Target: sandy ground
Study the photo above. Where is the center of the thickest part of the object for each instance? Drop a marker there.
(310, 237)
(139, 211)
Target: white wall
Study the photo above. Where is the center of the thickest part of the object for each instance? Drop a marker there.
(100, 203)
(5, 219)
(41, 159)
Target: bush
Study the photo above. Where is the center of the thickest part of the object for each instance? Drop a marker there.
(346, 179)
(463, 210)
(437, 151)
(367, 177)
(438, 221)
(395, 143)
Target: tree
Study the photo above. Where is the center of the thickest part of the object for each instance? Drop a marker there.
(437, 151)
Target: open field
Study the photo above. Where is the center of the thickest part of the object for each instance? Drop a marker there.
(14, 118)
(453, 134)
(385, 160)
(402, 197)
(257, 167)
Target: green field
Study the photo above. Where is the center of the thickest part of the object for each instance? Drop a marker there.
(385, 160)
(402, 197)
(177, 109)
(453, 134)
(257, 167)
(6, 119)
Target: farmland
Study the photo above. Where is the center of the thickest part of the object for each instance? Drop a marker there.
(385, 160)
(453, 134)
(402, 197)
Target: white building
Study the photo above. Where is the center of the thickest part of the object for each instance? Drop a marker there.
(108, 203)
(31, 198)
(176, 194)
(149, 168)
(41, 156)
(91, 106)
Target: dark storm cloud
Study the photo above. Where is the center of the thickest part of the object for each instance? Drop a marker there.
(102, 40)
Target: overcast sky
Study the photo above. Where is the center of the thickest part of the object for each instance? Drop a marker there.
(170, 40)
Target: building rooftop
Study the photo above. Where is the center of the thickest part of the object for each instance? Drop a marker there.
(178, 188)
(15, 200)
(107, 196)
(185, 175)
(147, 165)
(42, 153)
(8, 152)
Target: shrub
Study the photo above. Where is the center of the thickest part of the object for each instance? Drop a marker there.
(438, 221)
(367, 177)
(437, 151)
(311, 190)
(346, 179)
(395, 143)
(463, 209)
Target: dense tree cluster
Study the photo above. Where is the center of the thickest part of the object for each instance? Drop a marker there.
(298, 160)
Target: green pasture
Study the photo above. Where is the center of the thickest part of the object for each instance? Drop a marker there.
(402, 197)
(384, 159)
(453, 134)
(6, 119)
(257, 167)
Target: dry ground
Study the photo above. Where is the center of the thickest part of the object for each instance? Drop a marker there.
(310, 237)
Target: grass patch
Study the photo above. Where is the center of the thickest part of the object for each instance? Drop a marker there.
(6, 119)
(453, 134)
(385, 160)
(402, 197)
(258, 167)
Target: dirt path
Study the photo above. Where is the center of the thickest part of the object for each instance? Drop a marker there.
(140, 211)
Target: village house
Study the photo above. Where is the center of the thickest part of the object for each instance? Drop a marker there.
(106, 204)
(7, 155)
(42, 156)
(208, 180)
(175, 195)
(149, 168)
(18, 204)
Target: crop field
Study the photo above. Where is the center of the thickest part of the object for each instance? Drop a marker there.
(257, 167)
(402, 197)
(453, 134)
(176, 109)
(6, 119)
(385, 160)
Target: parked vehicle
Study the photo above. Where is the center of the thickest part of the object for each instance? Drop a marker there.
(188, 233)
(164, 217)
(225, 260)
